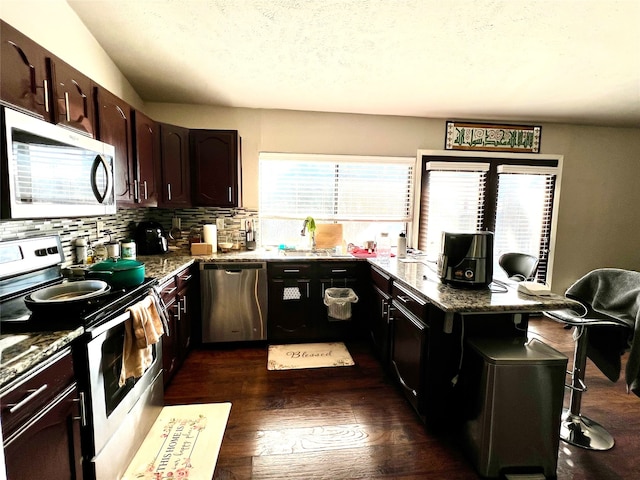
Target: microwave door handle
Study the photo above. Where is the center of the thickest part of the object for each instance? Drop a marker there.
(100, 160)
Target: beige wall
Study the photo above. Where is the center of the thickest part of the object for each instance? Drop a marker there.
(599, 218)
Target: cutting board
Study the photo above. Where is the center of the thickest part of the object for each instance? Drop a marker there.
(328, 235)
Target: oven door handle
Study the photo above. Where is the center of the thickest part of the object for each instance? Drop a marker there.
(100, 329)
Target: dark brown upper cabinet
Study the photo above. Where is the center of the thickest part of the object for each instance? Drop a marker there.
(174, 167)
(115, 127)
(146, 143)
(24, 80)
(216, 172)
(72, 94)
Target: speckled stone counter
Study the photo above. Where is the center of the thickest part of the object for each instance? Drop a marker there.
(415, 273)
(422, 279)
(22, 351)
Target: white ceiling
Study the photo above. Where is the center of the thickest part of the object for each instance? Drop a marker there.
(573, 61)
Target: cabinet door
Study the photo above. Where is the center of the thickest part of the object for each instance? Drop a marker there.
(174, 167)
(216, 169)
(170, 342)
(49, 443)
(72, 94)
(146, 150)
(290, 310)
(115, 127)
(408, 350)
(23, 72)
(379, 324)
(187, 308)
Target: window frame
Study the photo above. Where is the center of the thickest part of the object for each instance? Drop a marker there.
(407, 161)
(495, 159)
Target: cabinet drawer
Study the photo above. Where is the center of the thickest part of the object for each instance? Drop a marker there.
(168, 291)
(183, 278)
(381, 280)
(338, 269)
(412, 302)
(289, 270)
(36, 389)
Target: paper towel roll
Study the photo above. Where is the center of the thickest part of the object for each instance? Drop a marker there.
(210, 234)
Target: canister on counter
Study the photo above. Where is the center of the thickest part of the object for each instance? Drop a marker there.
(128, 249)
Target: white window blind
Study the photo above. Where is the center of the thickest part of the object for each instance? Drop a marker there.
(523, 212)
(366, 194)
(453, 202)
(336, 187)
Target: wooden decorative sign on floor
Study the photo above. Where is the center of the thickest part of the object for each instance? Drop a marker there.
(184, 442)
(308, 355)
(492, 137)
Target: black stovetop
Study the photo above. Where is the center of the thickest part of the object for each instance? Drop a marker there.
(16, 317)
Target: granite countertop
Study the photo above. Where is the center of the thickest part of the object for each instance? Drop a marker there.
(415, 273)
(421, 277)
(21, 352)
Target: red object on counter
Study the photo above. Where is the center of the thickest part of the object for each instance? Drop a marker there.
(364, 253)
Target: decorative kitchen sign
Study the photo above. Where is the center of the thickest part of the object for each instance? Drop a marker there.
(492, 137)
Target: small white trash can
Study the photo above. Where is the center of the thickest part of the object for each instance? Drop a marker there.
(338, 302)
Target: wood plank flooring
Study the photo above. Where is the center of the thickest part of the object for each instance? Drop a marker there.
(353, 423)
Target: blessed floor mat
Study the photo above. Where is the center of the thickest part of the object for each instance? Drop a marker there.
(308, 355)
(184, 442)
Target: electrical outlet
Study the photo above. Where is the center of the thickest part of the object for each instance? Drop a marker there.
(99, 228)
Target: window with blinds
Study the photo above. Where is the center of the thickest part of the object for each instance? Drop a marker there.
(511, 197)
(454, 202)
(366, 194)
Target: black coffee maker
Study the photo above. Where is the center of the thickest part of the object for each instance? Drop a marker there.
(151, 239)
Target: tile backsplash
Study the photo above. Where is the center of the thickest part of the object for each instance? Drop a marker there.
(121, 225)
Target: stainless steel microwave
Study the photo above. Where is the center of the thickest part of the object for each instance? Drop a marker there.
(50, 171)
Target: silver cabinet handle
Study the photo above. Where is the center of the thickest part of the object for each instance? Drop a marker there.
(135, 190)
(170, 291)
(66, 106)
(32, 394)
(83, 411)
(145, 190)
(229, 194)
(186, 278)
(184, 304)
(292, 270)
(169, 190)
(45, 83)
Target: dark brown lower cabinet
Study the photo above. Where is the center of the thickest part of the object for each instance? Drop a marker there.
(290, 310)
(44, 439)
(409, 343)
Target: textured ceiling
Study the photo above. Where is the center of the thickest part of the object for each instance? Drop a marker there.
(575, 61)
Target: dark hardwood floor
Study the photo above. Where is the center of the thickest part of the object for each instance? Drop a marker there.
(353, 423)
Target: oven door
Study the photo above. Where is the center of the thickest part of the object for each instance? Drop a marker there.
(113, 406)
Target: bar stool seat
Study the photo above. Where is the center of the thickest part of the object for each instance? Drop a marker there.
(575, 428)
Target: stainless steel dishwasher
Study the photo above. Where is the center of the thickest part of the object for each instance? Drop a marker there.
(234, 301)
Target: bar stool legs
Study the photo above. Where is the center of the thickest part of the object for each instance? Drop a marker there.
(575, 428)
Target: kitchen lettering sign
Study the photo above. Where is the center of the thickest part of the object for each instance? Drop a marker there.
(492, 137)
